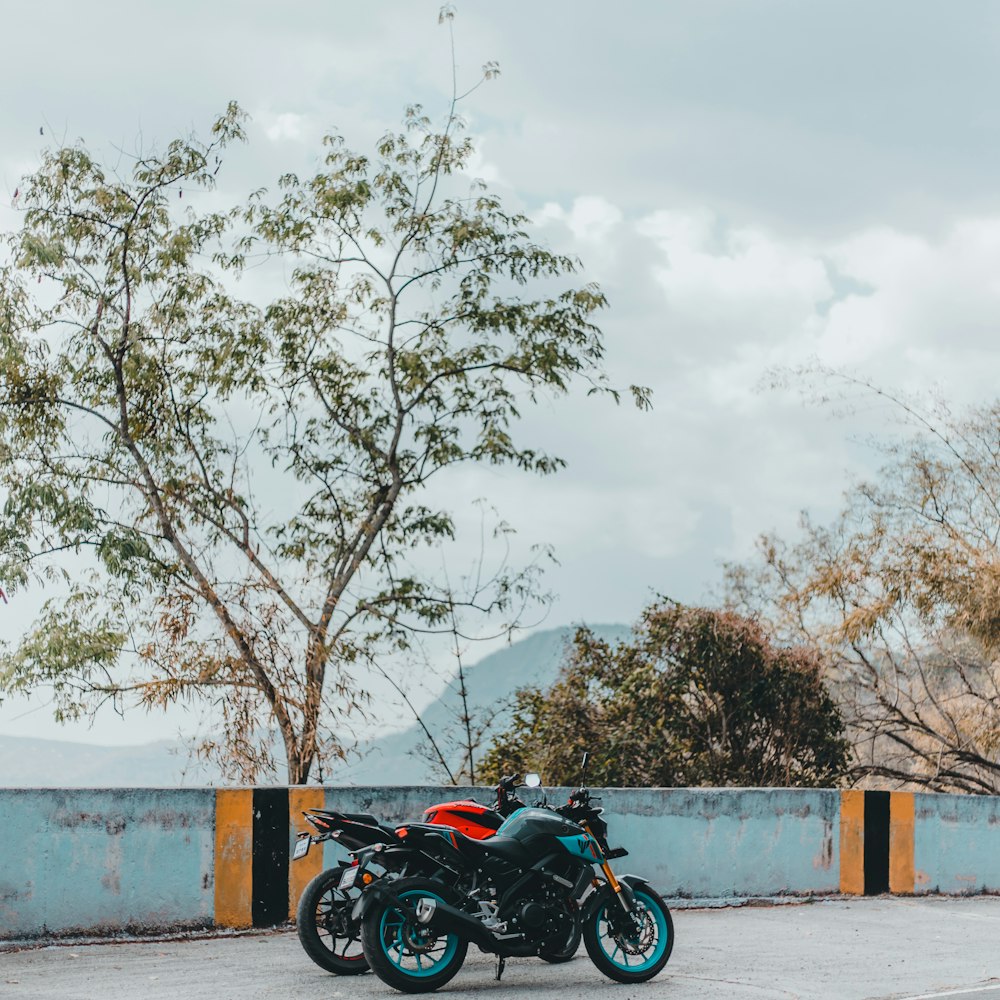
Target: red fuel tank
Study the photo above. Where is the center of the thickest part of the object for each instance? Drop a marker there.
(468, 817)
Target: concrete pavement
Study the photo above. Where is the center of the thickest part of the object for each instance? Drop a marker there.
(834, 949)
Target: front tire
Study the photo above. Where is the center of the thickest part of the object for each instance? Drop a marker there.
(642, 952)
(323, 921)
(404, 954)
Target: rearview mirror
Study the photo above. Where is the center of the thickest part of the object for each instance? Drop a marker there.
(532, 780)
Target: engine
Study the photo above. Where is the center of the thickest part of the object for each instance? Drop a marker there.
(539, 914)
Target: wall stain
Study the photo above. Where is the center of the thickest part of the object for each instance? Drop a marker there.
(9, 894)
(168, 819)
(824, 859)
(113, 825)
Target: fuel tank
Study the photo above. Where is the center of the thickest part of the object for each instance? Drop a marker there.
(542, 829)
(471, 818)
(526, 824)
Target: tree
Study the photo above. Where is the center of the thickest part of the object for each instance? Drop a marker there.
(245, 483)
(902, 594)
(699, 697)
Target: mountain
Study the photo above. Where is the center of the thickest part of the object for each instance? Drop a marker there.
(535, 660)
(26, 762)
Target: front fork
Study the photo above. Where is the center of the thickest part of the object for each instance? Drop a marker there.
(622, 892)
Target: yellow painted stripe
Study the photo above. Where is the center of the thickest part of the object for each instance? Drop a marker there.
(852, 842)
(233, 857)
(901, 873)
(301, 872)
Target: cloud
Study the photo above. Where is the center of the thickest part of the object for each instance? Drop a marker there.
(701, 308)
(285, 126)
(926, 300)
(590, 219)
(482, 168)
(902, 306)
(740, 282)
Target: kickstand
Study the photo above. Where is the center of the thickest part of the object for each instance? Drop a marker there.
(501, 964)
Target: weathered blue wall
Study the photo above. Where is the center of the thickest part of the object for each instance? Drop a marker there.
(97, 861)
(728, 842)
(94, 861)
(688, 842)
(956, 843)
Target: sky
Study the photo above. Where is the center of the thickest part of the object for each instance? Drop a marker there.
(755, 186)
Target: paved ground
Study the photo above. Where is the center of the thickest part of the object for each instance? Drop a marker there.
(829, 950)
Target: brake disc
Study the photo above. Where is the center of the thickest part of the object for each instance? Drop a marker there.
(637, 944)
(418, 939)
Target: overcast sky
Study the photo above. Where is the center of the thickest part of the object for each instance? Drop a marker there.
(753, 184)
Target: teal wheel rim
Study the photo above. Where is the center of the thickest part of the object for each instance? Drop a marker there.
(649, 944)
(419, 964)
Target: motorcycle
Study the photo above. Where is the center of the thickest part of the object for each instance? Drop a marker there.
(323, 915)
(327, 932)
(532, 885)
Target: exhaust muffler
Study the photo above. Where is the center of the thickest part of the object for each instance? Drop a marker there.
(441, 916)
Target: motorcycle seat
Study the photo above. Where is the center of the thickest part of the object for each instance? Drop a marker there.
(506, 848)
(367, 818)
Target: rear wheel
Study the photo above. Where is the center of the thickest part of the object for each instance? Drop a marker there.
(323, 920)
(638, 952)
(405, 954)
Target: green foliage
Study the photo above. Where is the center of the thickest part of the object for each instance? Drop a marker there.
(699, 697)
(143, 404)
(71, 650)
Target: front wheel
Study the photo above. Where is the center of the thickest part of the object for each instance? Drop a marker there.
(405, 954)
(323, 920)
(637, 953)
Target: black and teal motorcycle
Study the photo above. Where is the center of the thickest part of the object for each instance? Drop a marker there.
(534, 887)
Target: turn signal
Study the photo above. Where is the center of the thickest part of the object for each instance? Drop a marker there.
(367, 878)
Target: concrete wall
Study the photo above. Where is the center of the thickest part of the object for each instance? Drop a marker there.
(100, 861)
(687, 842)
(728, 842)
(956, 845)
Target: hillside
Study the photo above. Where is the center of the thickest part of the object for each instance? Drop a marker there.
(36, 763)
(532, 660)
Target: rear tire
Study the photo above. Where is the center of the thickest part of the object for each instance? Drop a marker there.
(641, 954)
(406, 955)
(323, 921)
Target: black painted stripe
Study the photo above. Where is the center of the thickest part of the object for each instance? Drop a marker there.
(270, 857)
(876, 843)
